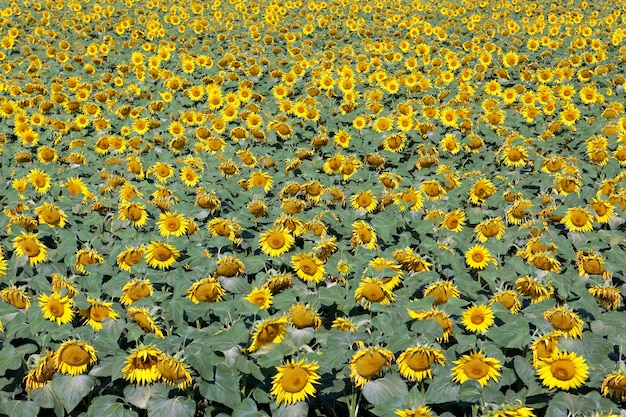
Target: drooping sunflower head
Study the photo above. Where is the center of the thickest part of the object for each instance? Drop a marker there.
(141, 365)
(614, 385)
(73, 357)
(145, 321)
(444, 321)
(86, 257)
(367, 363)
(608, 296)
(205, 291)
(294, 381)
(563, 370)
(544, 346)
(565, 320)
(40, 375)
(129, 257)
(97, 312)
(278, 283)
(229, 267)
(302, 316)
(415, 364)
(442, 291)
(268, 331)
(173, 371)
(16, 297)
(489, 228)
(51, 215)
(476, 366)
(508, 299)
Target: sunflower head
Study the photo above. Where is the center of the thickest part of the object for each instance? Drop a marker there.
(476, 366)
(268, 331)
(563, 370)
(294, 381)
(73, 357)
(367, 363)
(141, 365)
(415, 364)
(302, 316)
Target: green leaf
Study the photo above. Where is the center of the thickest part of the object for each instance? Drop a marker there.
(72, 389)
(46, 398)
(442, 390)
(173, 407)
(107, 406)
(9, 359)
(380, 390)
(225, 388)
(21, 408)
(514, 334)
(247, 408)
(300, 409)
(140, 395)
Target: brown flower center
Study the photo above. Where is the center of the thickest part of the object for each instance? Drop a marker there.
(420, 361)
(294, 379)
(369, 364)
(476, 369)
(373, 292)
(162, 253)
(276, 240)
(74, 355)
(563, 370)
(30, 247)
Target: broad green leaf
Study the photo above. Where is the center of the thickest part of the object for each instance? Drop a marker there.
(21, 408)
(107, 406)
(72, 389)
(300, 409)
(247, 408)
(224, 389)
(9, 359)
(172, 407)
(141, 395)
(514, 334)
(380, 390)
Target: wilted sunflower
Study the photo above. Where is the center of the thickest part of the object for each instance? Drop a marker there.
(276, 241)
(41, 374)
(86, 257)
(415, 363)
(145, 321)
(308, 267)
(478, 257)
(508, 299)
(373, 290)
(172, 224)
(534, 289)
(343, 324)
(607, 295)
(565, 320)
(294, 381)
(261, 297)
(516, 214)
(364, 202)
(589, 263)
(51, 215)
(228, 228)
(135, 213)
(368, 362)
(57, 307)
(141, 365)
(363, 234)
(545, 261)
(578, 219)
(205, 291)
(229, 266)
(73, 357)
(478, 318)
(439, 316)
(489, 228)
(98, 311)
(543, 347)
(476, 366)
(161, 255)
(433, 189)
(28, 245)
(563, 370)
(16, 297)
(442, 291)
(173, 371)
(302, 316)
(614, 385)
(422, 411)
(278, 282)
(410, 261)
(268, 331)
(387, 270)
(129, 257)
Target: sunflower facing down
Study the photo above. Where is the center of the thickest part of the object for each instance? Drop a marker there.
(368, 362)
(86, 257)
(444, 321)
(566, 321)
(135, 291)
(302, 316)
(134, 212)
(28, 245)
(607, 295)
(141, 365)
(294, 381)
(373, 290)
(129, 257)
(145, 321)
(478, 257)
(267, 332)
(276, 241)
(476, 366)
(508, 299)
(478, 318)
(415, 363)
(489, 228)
(16, 297)
(98, 311)
(614, 385)
(173, 371)
(442, 291)
(207, 290)
(161, 255)
(545, 346)
(563, 370)
(51, 215)
(73, 357)
(308, 267)
(57, 307)
(40, 375)
(363, 234)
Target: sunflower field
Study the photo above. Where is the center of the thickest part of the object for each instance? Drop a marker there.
(312, 208)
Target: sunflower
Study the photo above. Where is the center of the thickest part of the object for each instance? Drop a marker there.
(604, 211)
(16, 297)
(410, 199)
(368, 362)
(41, 374)
(278, 283)
(57, 307)
(534, 289)
(608, 296)
(449, 117)
(145, 321)
(543, 347)
(129, 257)
(614, 385)
(563, 370)
(591, 264)
(410, 261)
(225, 228)
(206, 290)
(343, 324)
(98, 311)
(442, 291)
(489, 228)
(73, 357)
(578, 219)
(569, 116)
(261, 297)
(565, 320)
(511, 410)
(508, 299)
(268, 331)
(3, 263)
(40, 180)
(422, 411)
(294, 381)
(478, 318)
(135, 213)
(308, 267)
(454, 221)
(173, 371)
(161, 255)
(229, 266)
(302, 316)
(449, 143)
(433, 189)
(373, 290)
(51, 215)
(415, 363)
(172, 224)
(514, 156)
(481, 191)
(28, 245)
(276, 241)
(161, 171)
(365, 201)
(439, 316)
(363, 234)
(476, 366)
(86, 257)
(517, 212)
(141, 365)
(260, 179)
(478, 257)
